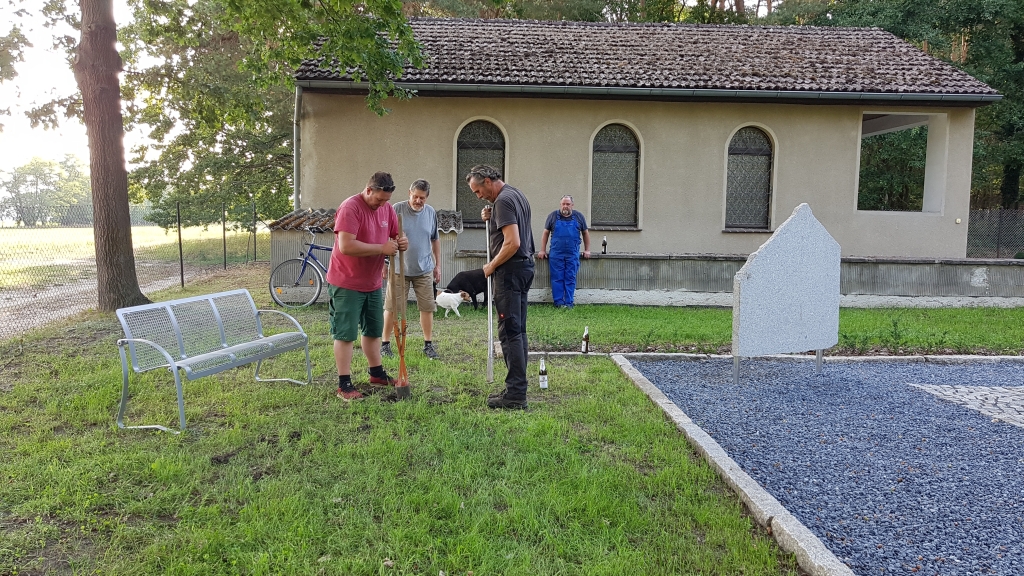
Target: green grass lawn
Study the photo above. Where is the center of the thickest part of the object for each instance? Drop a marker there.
(274, 478)
(709, 330)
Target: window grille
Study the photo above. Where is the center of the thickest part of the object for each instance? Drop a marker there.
(748, 193)
(480, 142)
(616, 173)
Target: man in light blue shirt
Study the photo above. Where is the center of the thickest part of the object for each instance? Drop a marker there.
(422, 265)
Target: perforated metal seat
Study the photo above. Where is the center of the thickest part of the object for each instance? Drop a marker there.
(240, 354)
(201, 336)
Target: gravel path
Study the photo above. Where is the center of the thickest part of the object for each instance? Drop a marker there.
(897, 467)
(22, 310)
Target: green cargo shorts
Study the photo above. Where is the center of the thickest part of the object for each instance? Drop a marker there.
(351, 310)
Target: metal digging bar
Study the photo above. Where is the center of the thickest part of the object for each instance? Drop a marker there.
(490, 317)
(399, 305)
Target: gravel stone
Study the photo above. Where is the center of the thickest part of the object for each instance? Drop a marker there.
(883, 461)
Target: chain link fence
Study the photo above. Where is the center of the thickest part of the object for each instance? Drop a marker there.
(996, 233)
(48, 265)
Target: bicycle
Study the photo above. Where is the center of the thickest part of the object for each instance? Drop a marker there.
(297, 282)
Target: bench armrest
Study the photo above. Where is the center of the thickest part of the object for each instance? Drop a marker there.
(124, 341)
(288, 316)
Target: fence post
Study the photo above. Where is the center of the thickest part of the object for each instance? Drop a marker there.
(181, 253)
(999, 232)
(224, 231)
(254, 231)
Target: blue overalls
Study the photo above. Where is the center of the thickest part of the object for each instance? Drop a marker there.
(564, 259)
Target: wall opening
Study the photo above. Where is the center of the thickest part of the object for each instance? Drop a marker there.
(902, 162)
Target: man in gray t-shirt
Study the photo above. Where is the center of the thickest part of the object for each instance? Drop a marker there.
(422, 265)
(511, 265)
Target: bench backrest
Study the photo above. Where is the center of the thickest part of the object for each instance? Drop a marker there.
(190, 326)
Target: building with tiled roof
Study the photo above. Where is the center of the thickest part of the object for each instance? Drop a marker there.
(671, 138)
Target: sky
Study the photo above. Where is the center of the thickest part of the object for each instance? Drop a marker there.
(43, 75)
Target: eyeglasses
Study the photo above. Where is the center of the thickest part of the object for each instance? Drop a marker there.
(388, 189)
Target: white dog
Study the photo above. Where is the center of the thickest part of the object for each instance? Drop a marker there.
(450, 301)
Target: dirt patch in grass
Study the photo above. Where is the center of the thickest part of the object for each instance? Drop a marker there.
(45, 545)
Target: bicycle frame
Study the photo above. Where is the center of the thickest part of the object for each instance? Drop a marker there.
(308, 255)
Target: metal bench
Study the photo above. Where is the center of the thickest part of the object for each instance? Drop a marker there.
(200, 336)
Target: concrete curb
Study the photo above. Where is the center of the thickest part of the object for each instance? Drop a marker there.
(791, 535)
(933, 358)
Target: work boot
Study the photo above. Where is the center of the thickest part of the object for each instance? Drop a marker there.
(385, 350)
(429, 352)
(496, 395)
(503, 402)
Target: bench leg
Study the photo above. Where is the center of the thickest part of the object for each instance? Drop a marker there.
(124, 400)
(309, 372)
(181, 400)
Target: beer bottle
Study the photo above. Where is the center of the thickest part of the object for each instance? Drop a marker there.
(543, 375)
(585, 347)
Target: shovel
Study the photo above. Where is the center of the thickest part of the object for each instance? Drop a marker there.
(399, 304)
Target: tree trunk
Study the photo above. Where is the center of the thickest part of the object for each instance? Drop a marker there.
(740, 8)
(96, 67)
(769, 5)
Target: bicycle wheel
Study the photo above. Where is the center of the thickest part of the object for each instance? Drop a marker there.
(296, 283)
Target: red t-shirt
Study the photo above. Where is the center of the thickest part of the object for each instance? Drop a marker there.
(362, 274)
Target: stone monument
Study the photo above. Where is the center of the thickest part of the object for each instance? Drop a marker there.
(786, 297)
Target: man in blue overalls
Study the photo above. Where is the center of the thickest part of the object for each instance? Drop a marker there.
(564, 226)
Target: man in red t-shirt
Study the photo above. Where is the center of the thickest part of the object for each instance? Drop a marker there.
(365, 231)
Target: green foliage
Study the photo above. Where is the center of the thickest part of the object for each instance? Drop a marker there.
(12, 49)
(574, 10)
(704, 12)
(33, 191)
(983, 37)
(370, 40)
(892, 170)
(701, 12)
(213, 138)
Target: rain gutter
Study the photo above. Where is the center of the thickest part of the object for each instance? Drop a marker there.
(296, 148)
(669, 93)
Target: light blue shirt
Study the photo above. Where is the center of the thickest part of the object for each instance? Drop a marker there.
(421, 229)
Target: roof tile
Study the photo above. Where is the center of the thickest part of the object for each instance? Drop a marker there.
(725, 57)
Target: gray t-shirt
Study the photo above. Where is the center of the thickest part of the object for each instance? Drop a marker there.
(511, 207)
(421, 228)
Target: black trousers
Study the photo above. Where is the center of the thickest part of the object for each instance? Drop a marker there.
(512, 281)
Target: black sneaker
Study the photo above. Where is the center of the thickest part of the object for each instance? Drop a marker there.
(385, 350)
(496, 395)
(504, 403)
(429, 352)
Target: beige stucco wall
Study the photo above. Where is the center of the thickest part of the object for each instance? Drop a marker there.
(684, 155)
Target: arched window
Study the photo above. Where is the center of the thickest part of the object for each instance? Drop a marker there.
(616, 177)
(480, 142)
(748, 189)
